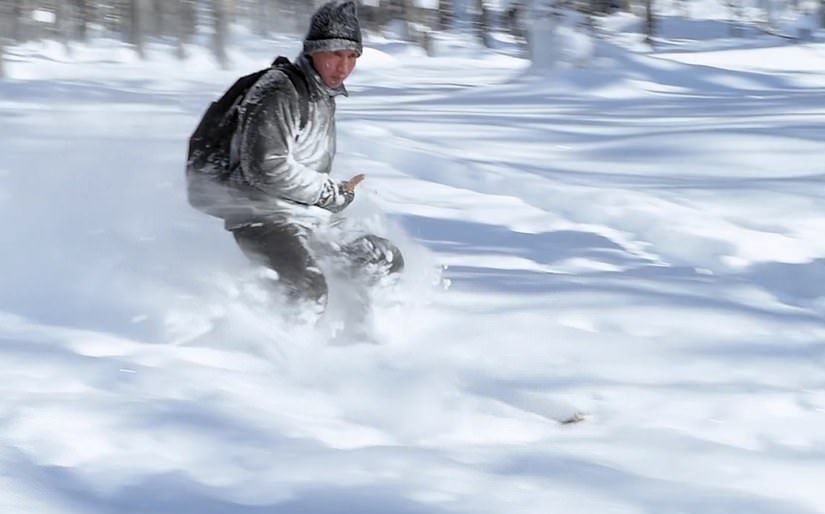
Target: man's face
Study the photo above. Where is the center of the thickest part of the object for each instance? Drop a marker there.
(334, 67)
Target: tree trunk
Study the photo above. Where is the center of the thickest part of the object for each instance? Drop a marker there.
(769, 13)
(650, 22)
(822, 13)
(2, 52)
(261, 17)
(407, 16)
(482, 24)
(188, 20)
(83, 14)
(446, 14)
(5, 26)
(158, 28)
(302, 10)
(137, 36)
(735, 17)
(178, 29)
(221, 29)
(515, 21)
(18, 30)
(64, 22)
(542, 42)
(401, 11)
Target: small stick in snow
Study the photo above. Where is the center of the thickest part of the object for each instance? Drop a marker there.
(575, 418)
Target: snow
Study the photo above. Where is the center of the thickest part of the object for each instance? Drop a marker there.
(636, 238)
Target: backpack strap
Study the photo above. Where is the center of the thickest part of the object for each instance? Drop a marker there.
(218, 122)
(299, 81)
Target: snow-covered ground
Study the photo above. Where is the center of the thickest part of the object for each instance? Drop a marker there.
(637, 238)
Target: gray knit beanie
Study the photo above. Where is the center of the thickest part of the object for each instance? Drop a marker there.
(334, 27)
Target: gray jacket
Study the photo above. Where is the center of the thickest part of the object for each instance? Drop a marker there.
(281, 171)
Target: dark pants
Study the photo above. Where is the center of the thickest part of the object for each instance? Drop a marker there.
(287, 250)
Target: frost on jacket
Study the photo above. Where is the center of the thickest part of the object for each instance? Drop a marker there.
(283, 168)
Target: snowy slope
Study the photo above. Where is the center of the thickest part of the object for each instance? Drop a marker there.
(638, 240)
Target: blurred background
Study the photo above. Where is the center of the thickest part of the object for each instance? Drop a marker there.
(511, 24)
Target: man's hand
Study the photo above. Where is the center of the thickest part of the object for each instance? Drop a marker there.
(350, 185)
(336, 196)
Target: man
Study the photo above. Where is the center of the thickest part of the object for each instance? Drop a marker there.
(284, 148)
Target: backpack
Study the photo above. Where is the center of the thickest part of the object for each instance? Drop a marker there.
(208, 163)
